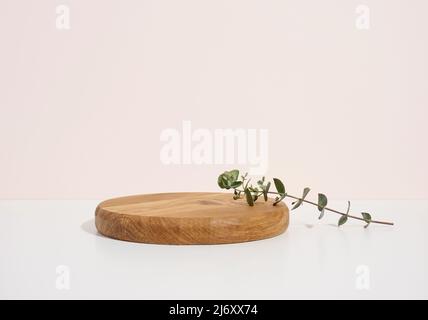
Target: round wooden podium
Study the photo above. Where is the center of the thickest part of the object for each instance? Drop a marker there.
(189, 218)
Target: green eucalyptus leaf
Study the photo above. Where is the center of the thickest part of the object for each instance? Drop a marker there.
(279, 199)
(221, 182)
(322, 201)
(228, 179)
(342, 220)
(249, 197)
(233, 174)
(265, 191)
(349, 207)
(321, 214)
(227, 182)
(279, 186)
(236, 184)
(367, 218)
(299, 202)
(253, 189)
(247, 183)
(305, 192)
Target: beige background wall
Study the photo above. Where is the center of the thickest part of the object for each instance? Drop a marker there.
(82, 109)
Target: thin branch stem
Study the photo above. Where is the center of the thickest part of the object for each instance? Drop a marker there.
(327, 209)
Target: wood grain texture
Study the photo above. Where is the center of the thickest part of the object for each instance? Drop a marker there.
(189, 218)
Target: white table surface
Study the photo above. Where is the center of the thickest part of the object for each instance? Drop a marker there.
(313, 259)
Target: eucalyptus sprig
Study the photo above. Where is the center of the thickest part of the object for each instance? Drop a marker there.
(232, 180)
